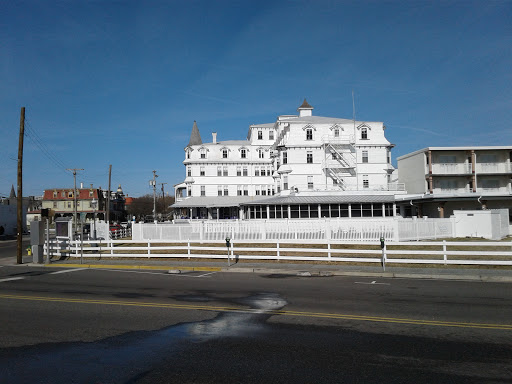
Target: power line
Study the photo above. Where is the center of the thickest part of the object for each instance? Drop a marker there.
(36, 139)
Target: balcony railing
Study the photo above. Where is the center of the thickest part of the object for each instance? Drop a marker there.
(493, 168)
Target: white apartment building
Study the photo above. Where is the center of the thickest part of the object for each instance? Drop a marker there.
(441, 179)
(298, 166)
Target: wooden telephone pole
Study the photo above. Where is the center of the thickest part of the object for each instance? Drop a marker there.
(19, 258)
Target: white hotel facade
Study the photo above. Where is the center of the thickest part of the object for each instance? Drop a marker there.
(300, 166)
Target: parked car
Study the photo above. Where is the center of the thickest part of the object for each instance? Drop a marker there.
(115, 227)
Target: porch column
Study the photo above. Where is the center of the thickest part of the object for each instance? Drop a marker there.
(440, 208)
(349, 210)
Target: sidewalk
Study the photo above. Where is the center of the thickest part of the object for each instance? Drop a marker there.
(324, 270)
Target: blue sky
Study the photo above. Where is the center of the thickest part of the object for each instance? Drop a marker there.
(121, 82)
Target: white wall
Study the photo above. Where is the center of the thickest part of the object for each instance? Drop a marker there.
(412, 170)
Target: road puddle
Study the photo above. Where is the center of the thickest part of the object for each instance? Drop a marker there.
(121, 359)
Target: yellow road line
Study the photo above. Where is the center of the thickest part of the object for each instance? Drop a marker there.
(504, 327)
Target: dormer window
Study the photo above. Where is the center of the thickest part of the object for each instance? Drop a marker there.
(70, 194)
(336, 132)
(271, 135)
(224, 153)
(243, 153)
(188, 154)
(261, 154)
(54, 194)
(309, 134)
(202, 153)
(364, 133)
(260, 135)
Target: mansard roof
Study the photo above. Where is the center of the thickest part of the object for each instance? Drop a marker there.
(195, 137)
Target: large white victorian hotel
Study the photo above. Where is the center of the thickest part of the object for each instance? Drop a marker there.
(300, 166)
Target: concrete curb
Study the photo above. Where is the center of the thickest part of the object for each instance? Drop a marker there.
(295, 272)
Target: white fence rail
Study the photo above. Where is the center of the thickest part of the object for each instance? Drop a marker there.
(349, 230)
(441, 252)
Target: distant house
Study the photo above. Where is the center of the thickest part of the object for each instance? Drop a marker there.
(61, 202)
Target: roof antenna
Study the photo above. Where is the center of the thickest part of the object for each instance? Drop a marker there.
(354, 111)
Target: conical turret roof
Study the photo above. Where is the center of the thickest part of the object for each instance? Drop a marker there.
(195, 137)
(13, 193)
(305, 105)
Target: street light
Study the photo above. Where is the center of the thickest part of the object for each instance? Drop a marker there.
(94, 204)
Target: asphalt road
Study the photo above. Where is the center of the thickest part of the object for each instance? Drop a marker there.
(101, 326)
(8, 249)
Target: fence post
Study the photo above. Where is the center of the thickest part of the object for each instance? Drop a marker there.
(444, 250)
(188, 248)
(111, 247)
(149, 249)
(201, 231)
(329, 248)
(278, 252)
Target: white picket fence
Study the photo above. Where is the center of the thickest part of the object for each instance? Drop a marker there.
(349, 230)
(474, 253)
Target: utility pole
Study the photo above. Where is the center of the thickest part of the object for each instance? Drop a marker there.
(19, 258)
(108, 195)
(163, 198)
(152, 183)
(74, 192)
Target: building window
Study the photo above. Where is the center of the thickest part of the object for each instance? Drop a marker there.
(271, 135)
(285, 182)
(203, 190)
(310, 182)
(225, 190)
(246, 190)
(285, 157)
(202, 151)
(309, 157)
(189, 191)
(69, 204)
(55, 194)
(188, 154)
(365, 156)
(243, 153)
(256, 171)
(366, 183)
(364, 133)
(336, 132)
(309, 134)
(224, 153)
(261, 153)
(219, 190)
(78, 203)
(262, 173)
(239, 190)
(258, 189)
(239, 171)
(54, 204)
(91, 193)
(490, 184)
(260, 135)
(447, 159)
(389, 156)
(201, 171)
(219, 171)
(245, 171)
(263, 190)
(224, 171)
